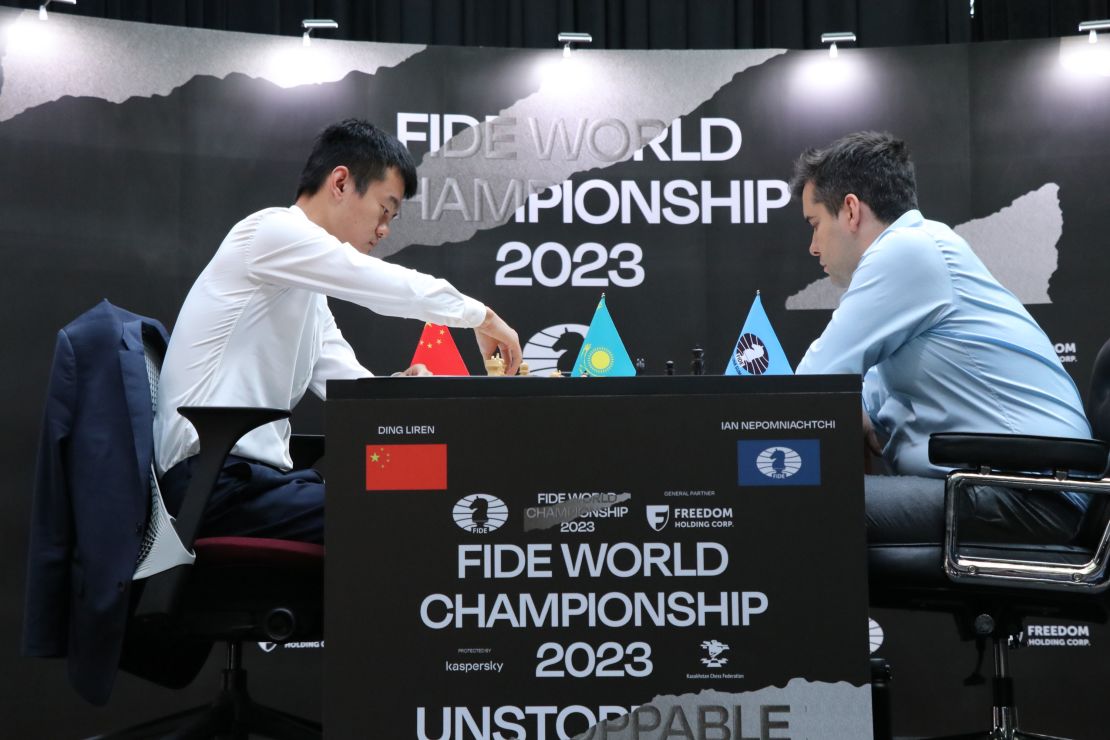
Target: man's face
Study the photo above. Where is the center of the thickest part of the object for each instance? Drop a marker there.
(363, 220)
(833, 243)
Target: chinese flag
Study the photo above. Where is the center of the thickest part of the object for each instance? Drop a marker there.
(406, 467)
(437, 351)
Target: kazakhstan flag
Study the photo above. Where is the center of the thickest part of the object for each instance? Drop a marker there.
(603, 353)
(758, 351)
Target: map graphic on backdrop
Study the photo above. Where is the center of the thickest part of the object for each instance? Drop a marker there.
(116, 72)
(1018, 244)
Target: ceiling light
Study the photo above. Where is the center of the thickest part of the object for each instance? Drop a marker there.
(1093, 27)
(568, 39)
(313, 24)
(42, 8)
(840, 37)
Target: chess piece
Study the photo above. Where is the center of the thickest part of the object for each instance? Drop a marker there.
(523, 369)
(495, 365)
(669, 368)
(697, 365)
(641, 366)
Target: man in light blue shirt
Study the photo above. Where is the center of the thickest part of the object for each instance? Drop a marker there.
(942, 346)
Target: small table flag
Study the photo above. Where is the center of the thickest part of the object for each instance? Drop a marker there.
(603, 353)
(758, 351)
(437, 352)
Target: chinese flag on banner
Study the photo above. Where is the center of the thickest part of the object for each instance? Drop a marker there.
(437, 351)
(406, 467)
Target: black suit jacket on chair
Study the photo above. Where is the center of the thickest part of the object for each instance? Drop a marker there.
(92, 497)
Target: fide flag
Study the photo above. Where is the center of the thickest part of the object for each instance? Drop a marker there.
(437, 352)
(758, 351)
(603, 353)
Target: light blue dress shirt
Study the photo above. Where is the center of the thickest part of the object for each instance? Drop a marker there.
(942, 347)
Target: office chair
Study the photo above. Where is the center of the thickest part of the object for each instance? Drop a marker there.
(236, 589)
(992, 589)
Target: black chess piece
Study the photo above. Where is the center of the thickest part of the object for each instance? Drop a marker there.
(641, 366)
(669, 367)
(697, 365)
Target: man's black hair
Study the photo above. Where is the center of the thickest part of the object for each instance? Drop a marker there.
(876, 167)
(361, 147)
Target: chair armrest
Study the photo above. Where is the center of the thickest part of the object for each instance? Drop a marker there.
(1019, 564)
(218, 429)
(1018, 452)
(306, 450)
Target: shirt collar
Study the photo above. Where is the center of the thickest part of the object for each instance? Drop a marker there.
(911, 217)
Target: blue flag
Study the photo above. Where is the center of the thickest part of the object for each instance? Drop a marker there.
(603, 353)
(758, 351)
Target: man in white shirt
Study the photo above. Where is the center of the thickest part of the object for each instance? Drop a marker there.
(941, 345)
(256, 330)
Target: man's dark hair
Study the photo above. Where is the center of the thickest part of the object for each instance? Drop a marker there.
(361, 147)
(874, 166)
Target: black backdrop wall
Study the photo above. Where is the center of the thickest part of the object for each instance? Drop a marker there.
(128, 150)
(620, 24)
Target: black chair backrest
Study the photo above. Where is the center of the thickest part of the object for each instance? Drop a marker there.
(1098, 413)
(1098, 398)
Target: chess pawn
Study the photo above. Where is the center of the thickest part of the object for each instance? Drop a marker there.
(523, 369)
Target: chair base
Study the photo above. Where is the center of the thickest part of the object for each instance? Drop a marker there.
(233, 715)
(1004, 711)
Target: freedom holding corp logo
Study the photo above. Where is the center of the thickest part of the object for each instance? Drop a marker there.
(778, 462)
(658, 515)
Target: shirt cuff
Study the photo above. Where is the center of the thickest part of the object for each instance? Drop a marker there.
(474, 312)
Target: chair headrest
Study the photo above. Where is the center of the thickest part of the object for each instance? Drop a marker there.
(1098, 398)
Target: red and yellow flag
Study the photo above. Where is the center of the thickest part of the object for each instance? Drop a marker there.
(437, 352)
(406, 467)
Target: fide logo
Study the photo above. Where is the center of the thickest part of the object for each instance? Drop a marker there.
(751, 354)
(778, 462)
(657, 516)
(554, 348)
(714, 648)
(874, 634)
(480, 513)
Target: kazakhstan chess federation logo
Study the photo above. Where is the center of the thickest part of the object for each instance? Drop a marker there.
(778, 462)
(715, 649)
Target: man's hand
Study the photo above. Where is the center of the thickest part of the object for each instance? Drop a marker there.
(870, 439)
(416, 370)
(494, 334)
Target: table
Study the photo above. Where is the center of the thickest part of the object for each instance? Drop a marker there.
(596, 558)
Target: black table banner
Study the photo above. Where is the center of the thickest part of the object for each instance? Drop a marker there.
(596, 558)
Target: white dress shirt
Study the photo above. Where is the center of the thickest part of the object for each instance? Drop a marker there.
(943, 347)
(256, 330)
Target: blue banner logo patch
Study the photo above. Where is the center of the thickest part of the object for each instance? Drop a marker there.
(779, 462)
